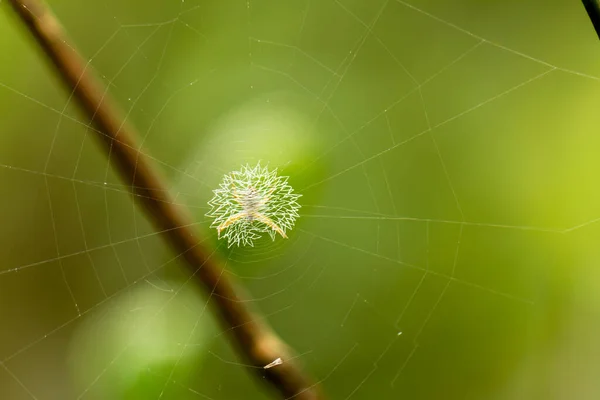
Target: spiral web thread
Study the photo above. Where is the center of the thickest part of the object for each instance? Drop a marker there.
(253, 201)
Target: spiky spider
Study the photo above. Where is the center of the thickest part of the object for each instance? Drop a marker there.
(252, 204)
(253, 201)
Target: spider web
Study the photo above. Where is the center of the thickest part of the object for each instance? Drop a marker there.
(446, 245)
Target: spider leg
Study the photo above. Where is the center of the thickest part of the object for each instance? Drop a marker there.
(229, 221)
(267, 197)
(267, 221)
(236, 195)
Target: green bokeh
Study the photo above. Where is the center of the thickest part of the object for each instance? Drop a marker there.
(447, 154)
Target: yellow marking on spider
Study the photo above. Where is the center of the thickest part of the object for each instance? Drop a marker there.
(255, 216)
(231, 220)
(267, 221)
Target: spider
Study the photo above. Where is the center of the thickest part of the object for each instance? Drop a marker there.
(252, 203)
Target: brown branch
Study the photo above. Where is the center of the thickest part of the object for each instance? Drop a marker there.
(255, 342)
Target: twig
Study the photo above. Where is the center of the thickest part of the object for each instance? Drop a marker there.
(256, 343)
(593, 9)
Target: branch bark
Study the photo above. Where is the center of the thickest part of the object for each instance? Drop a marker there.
(254, 341)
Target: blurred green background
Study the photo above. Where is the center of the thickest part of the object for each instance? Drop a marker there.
(447, 154)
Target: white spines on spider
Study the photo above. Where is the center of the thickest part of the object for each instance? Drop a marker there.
(253, 201)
